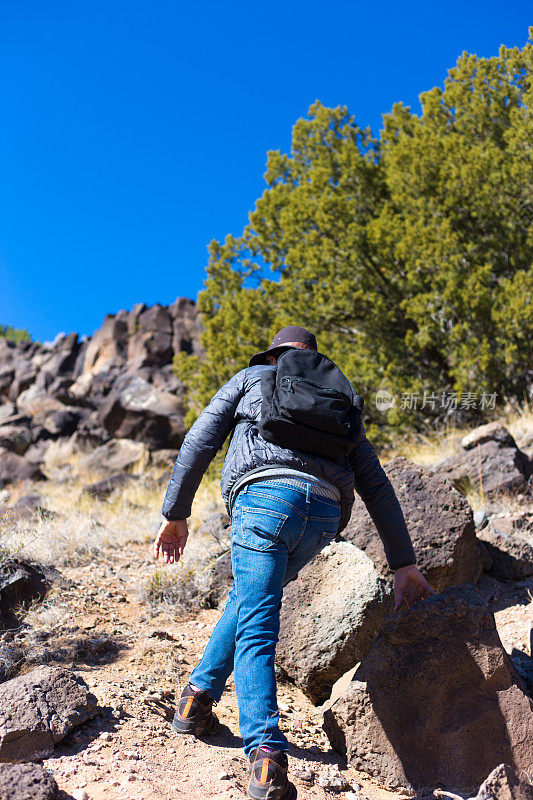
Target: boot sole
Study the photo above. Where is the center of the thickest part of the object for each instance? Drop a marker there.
(183, 726)
(270, 793)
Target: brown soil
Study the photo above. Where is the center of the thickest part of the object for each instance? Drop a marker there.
(136, 662)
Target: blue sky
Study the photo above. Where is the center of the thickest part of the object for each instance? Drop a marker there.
(132, 133)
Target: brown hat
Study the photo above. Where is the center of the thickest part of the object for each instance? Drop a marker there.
(291, 336)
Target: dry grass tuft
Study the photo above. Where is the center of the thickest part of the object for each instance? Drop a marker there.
(429, 449)
(519, 420)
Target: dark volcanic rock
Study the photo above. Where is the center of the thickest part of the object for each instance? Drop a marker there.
(25, 508)
(504, 784)
(221, 579)
(27, 782)
(114, 456)
(16, 437)
(509, 542)
(102, 489)
(38, 709)
(150, 342)
(492, 432)
(137, 410)
(7, 410)
(437, 701)
(14, 468)
(63, 422)
(109, 342)
(330, 618)
(439, 520)
(21, 583)
(491, 467)
(119, 383)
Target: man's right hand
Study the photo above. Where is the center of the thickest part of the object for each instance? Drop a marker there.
(411, 586)
(171, 539)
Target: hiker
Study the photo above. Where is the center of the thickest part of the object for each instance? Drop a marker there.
(297, 451)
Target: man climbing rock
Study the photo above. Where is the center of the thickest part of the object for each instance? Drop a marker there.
(297, 451)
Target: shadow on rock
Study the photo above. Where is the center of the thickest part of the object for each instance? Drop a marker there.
(437, 701)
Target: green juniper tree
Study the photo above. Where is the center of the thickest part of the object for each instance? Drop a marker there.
(14, 334)
(410, 256)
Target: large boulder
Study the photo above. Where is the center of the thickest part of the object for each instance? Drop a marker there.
(330, 618)
(526, 445)
(7, 410)
(108, 343)
(21, 583)
(186, 326)
(23, 375)
(27, 782)
(135, 409)
(102, 489)
(150, 337)
(491, 432)
(114, 456)
(504, 784)
(144, 338)
(437, 701)
(509, 542)
(490, 463)
(16, 437)
(439, 520)
(37, 403)
(62, 422)
(221, 579)
(14, 468)
(38, 709)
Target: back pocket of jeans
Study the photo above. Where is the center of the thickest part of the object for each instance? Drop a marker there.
(260, 527)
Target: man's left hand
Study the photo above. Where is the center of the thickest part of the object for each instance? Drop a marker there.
(411, 586)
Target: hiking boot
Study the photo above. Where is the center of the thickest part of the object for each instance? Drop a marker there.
(268, 776)
(194, 713)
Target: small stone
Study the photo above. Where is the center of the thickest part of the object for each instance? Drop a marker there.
(305, 775)
(80, 794)
(335, 783)
(224, 776)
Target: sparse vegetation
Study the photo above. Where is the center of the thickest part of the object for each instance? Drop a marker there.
(14, 334)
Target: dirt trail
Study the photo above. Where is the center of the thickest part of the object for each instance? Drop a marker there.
(136, 663)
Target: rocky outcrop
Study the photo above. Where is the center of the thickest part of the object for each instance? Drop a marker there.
(114, 456)
(102, 489)
(27, 782)
(135, 409)
(440, 522)
(330, 618)
(491, 432)
(490, 463)
(119, 383)
(38, 709)
(503, 783)
(14, 469)
(509, 543)
(437, 701)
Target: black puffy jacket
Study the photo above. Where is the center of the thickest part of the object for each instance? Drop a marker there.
(235, 409)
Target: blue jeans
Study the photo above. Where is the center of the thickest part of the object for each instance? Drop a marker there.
(276, 529)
